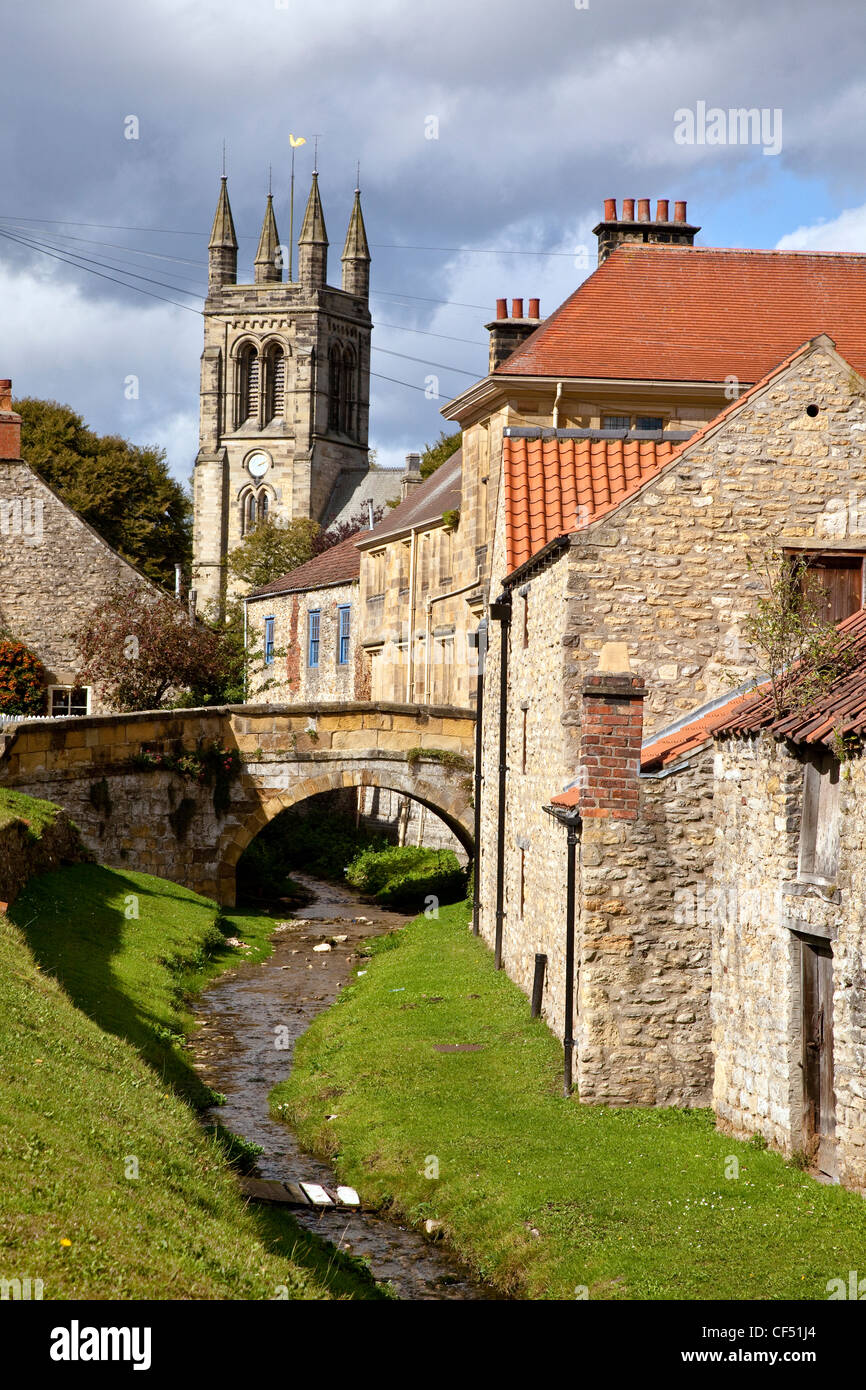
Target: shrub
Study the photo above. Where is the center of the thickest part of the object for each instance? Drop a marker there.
(22, 679)
(404, 876)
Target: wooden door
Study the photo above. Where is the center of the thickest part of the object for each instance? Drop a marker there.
(819, 1097)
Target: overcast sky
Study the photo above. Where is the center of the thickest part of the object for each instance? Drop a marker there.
(543, 110)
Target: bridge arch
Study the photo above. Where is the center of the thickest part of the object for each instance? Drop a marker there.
(271, 805)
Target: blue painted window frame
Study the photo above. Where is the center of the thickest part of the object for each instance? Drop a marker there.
(314, 627)
(269, 641)
(344, 632)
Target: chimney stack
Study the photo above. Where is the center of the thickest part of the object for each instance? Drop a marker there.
(412, 477)
(610, 739)
(507, 333)
(613, 230)
(10, 424)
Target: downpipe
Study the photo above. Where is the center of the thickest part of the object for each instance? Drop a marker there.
(500, 612)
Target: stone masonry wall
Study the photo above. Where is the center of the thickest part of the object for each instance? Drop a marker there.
(291, 679)
(668, 572)
(758, 905)
(54, 570)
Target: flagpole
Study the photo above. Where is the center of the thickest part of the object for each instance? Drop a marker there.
(292, 215)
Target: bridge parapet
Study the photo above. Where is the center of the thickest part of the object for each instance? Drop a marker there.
(166, 822)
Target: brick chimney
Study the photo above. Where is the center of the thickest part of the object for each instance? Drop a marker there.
(507, 333)
(611, 736)
(10, 424)
(612, 230)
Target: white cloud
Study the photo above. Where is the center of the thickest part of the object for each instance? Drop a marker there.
(847, 232)
(61, 345)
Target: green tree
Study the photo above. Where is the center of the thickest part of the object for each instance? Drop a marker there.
(272, 549)
(434, 455)
(801, 652)
(123, 490)
(140, 650)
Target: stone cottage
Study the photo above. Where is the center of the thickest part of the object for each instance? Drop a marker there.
(54, 570)
(787, 922)
(621, 574)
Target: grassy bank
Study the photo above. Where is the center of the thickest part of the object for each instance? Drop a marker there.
(541, 1195)
(109, 1188)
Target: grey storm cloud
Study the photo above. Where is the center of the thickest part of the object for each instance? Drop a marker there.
(540, 111)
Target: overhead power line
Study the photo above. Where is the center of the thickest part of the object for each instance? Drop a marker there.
(57, 256)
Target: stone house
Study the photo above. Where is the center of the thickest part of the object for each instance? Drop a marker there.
(301, 632)
(787, 922)
(54, 570)
(621, 569)
(421, 595)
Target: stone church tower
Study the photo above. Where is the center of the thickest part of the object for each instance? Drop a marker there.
(285, 384)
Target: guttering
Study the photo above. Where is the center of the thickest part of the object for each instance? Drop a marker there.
(246, 600)
(500, 612)
(437, 598)
(571, 820)
(539, 561)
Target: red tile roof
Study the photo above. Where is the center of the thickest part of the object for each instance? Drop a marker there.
(570, 797)
(558, 484)
(839, 710)
(339, 565)
(553, 486)
(676, 313)
(668, 748)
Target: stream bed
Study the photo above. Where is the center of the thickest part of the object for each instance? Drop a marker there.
(238, 1018)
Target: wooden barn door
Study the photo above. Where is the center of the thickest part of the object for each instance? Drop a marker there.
(819, 1108)
(835, 584)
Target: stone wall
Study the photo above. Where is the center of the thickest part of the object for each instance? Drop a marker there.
(643, 948)
(668, 573)
(25, 851)
(54, 570)
(291, 678)
(759, 905)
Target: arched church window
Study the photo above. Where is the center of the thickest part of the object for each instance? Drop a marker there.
(335, 387)
(264, 504)
(248, 513)
(275, 384)
(248, 385)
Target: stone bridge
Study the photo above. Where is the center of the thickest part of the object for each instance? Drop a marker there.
(181, 793)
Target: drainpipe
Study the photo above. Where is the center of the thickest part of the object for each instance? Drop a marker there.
(557, 398)
(245, 624)
(410, 645)
(571, 820)
(500, 612)
(437, 598)
(481, 644)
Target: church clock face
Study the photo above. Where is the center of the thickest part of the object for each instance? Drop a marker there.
(258, 463)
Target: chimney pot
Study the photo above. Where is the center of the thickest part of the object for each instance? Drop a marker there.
(610, 209)
(628, 209)
(534, 309)
(502, 308)
(10, 423)
(517, 308)
(662, 210)
(643, 209)
(679, 212)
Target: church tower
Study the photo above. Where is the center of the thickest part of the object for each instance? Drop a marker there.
(285, 384)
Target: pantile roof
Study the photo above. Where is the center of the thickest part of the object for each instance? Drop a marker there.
(339, 565)
(678, 313)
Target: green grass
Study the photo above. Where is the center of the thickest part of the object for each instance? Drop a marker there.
(93, 1010)
(630, 1204)
(16, 806)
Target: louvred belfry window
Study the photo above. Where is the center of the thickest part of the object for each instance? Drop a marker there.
(276, 384)
(248, 392)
